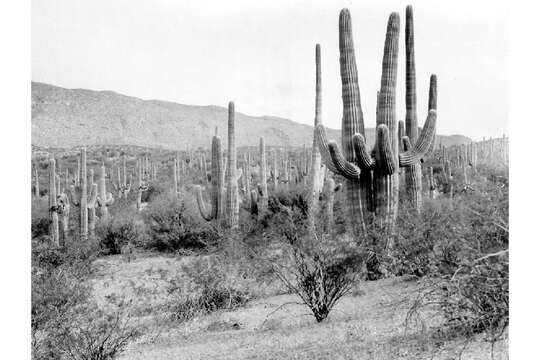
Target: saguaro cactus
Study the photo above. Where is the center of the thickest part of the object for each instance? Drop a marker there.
(315, 183)
(36, 180)
(413, 173)
(104, 198)
(263, 188)
(64, 209)
(141, 184)
(92, 204)
(79, 197)
(372, 182)
(216, 195)
(231, 200)
(53, 205)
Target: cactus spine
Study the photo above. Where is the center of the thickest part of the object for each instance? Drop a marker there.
(53, 205)
(231, 201)
(216, 183)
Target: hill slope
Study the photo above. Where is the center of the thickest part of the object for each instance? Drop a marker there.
(70, 117)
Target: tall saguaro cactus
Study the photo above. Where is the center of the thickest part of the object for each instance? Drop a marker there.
(79, 197)
(372, 180)
(413, 173)
(36, 180)
(104, 198)
(231, 200)
(263, 188)
(315, 181)
(53, 205)
(216, 195)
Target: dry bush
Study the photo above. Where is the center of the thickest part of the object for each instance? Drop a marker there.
(116, 232)
(90, 333)
(172, 226)
(465, 261)
(319, 268)
(213, 285)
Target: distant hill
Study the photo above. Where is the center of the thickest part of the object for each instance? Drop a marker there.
(64, 118)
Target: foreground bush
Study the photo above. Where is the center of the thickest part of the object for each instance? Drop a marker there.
(318, 267)
(116, 232)
(171, 227)
(213, 284)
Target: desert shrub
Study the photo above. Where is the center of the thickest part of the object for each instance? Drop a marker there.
(213, 285)
(466, 271)
(153, 192)
(116, 232)
(40, 217)
(90, 333)
(57, 285)
(318, 267)
(172, 226)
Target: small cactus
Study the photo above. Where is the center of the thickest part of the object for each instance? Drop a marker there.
(53, 205)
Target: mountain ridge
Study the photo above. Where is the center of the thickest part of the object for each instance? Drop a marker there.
(67, 118)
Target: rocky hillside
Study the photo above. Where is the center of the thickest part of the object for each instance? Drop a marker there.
(65, 118)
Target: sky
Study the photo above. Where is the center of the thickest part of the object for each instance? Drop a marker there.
(261, 54)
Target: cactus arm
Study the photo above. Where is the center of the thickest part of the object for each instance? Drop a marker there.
(363, 158)
(200, 202)
(322, 141)
(414, 154)
(343, 167)
(406, 143)
(385, 159)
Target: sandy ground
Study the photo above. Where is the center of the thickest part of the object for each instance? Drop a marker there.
(368, 324)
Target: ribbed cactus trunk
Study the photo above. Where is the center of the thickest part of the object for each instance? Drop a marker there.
(246, 173)
(216, 195)
(386, 177)
(83, 202)
(329, 194)
(413, 173)
(275, 170)
(36, 180)
(175, 177)
(65, 209)
(372, 177)
(315, 183)
(431, 181)
(139, 183)
(104, 198)
(124, 180)
(53, 205)
(263, 192)
(92, 204)
(358, 193)
(231, 204)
